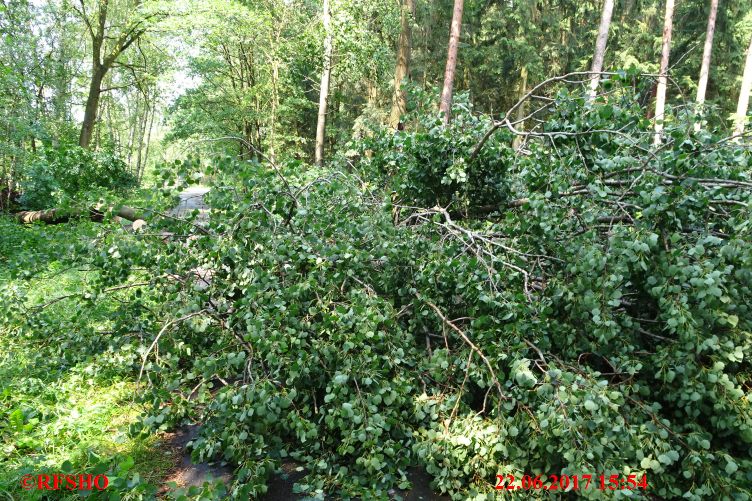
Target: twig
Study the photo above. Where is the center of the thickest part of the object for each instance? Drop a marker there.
(76, 294)
(506, 122)
(161, 332)
(469, 343)
(462, 390)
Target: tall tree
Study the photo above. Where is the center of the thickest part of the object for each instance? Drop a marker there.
(706, 53)
(407, 15)
(600, 46)
(660, 98)
(326, 74)
(702, 84)
(102, 57)
(451, 65)
(740, 118)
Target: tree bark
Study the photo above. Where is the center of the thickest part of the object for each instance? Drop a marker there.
(92, 105)
(273, 116)
(140, 174)
(520, 125)
(660, 98)
(326, 74)
(402, 70)
(144, 120)
(706, 53)
(451, 65)
(702, 84)
(600, 47)
(57, 216)
(98, 71)
(741, 108)
(134, 115)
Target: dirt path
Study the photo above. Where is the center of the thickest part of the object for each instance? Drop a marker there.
(187, 473)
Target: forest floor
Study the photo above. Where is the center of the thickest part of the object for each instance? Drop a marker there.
(64, 403)
(70, 409)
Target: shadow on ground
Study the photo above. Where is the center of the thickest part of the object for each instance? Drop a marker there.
(281, 484)
(187, 474)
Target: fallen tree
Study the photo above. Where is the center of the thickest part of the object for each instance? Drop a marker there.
(58, 216)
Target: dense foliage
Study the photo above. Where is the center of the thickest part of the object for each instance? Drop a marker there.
(429, 165)
(551, 289)
(66, 401)
(594, 320)
(60, 175)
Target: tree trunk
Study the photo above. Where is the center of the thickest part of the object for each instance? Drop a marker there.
(372, 92)
(600, 47)
(248, 153)
(402, 69)
(451, 65)
(142, 135)
(101, 63)
(134, 116)
(702, 84)
(660, 98)
(92, 105)
(520, 123)
(273, 116)
(326, 74)
(706, 53)
(140, 173)
(57, 216)
(427, 31)
(741, 108)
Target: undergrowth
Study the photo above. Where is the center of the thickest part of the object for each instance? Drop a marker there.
(67, 398)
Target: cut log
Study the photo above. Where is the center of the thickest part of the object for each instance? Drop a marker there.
(57, 216)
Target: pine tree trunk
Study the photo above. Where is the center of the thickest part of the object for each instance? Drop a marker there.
(451, 65)
(660, 98)
(324, 92)
(702, 85)
(741, 109)
(402, 69)
(600, 47)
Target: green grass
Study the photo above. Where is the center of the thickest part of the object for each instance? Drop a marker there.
(67, 384)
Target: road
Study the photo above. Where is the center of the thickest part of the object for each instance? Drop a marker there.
(190, 199)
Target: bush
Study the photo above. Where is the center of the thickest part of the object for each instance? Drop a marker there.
(70, 172)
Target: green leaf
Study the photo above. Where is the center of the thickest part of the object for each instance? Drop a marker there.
(733, 320)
